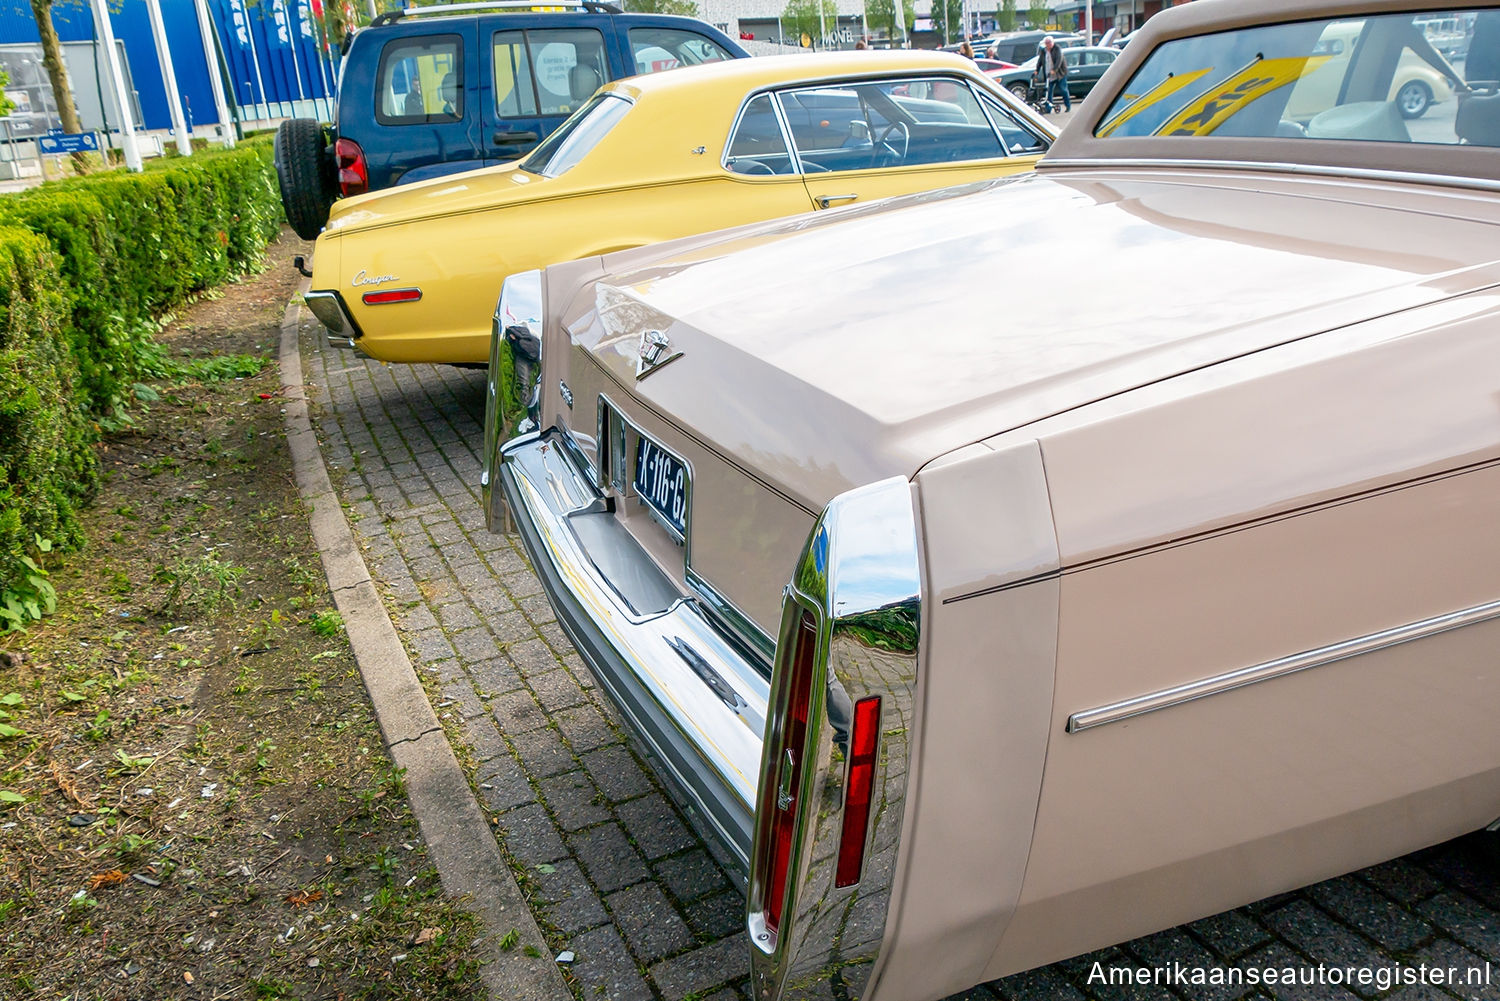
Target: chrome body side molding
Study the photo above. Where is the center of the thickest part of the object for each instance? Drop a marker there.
(1281, 667)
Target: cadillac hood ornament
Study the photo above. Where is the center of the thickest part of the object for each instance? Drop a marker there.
(655, 351)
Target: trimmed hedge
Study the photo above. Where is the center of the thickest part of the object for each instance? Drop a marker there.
(87, 266)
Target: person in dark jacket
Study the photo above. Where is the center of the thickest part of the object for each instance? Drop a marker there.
(1052, 72)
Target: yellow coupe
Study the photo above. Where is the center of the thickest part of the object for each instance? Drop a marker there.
(411, 274)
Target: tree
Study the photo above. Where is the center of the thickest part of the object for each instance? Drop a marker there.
(948, 17)
(687, 8)
(57, 74)
(880, 15)
(801, 17)
(1006, 17)
(1038, 13)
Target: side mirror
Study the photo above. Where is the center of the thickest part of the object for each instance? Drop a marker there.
(859, 130)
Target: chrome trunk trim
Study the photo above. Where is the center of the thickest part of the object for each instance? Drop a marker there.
(1301, 169)
(685, 687)
(1281, 667)
(859, 576)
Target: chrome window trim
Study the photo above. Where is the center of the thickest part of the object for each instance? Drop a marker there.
(786, 132)
(1281, 667)
(1311, 170)
(958, 79)
(734, 129)
(1027, 123)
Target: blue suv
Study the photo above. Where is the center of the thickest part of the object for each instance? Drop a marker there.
(428, 91)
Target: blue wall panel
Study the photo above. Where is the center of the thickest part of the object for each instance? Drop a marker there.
(281, 31)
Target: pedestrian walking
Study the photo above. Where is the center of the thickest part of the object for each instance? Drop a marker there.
(966, 50)
(1052, 70)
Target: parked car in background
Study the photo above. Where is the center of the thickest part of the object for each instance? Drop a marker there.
(1422, 78)
(411, 274)
(1019, 46)
(986, 641)
(426, 92)
(1086, 64)
(993, 66)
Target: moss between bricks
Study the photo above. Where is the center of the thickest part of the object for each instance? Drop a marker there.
(88, 266)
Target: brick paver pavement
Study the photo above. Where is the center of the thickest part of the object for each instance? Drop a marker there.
(615, 873)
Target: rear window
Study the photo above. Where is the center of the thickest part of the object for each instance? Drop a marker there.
(420, 80)
(657, 49)
(1377, 79)
(577, 136)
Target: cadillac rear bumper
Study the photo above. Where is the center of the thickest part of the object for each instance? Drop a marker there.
(685, 687)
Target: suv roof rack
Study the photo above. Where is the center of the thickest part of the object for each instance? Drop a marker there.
(588, 6)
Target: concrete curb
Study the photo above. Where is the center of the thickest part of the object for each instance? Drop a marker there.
(459, 839)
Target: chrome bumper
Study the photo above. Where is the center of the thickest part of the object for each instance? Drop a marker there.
(330, 310)
(687, 689)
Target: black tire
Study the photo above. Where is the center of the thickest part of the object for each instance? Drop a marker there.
(304, 172)
(1022, 92)
(1413, 99)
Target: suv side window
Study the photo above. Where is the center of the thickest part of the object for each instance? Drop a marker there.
(547, 71)
(420, 80)
(656, 49)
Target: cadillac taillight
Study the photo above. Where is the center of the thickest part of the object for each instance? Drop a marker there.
(354, 173)
(783, 791)
(863, 740)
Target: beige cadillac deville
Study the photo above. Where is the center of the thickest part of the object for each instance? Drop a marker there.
(1168, 581)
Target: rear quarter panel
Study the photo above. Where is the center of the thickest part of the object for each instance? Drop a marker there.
(1266, 507)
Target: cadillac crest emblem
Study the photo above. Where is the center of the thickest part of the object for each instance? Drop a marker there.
(654, 352)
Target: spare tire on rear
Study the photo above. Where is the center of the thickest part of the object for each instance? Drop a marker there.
(304, 171)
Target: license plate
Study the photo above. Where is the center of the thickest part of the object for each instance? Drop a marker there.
(661, 482)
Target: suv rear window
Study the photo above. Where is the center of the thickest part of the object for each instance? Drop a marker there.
(656, 49)
(547, 71)
(420, 80)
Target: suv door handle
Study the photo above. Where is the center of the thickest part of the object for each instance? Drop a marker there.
(826, 200)
(513, 138)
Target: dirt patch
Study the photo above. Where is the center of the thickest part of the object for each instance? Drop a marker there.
(194, 798)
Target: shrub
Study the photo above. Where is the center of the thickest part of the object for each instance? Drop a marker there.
(87, 266)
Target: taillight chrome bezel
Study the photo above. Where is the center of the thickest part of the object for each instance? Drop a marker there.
(858, 582)
(516, 327)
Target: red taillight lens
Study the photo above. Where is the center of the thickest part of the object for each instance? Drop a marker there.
(391, 295)
(354, 174)
(863, 740)
(784, 786)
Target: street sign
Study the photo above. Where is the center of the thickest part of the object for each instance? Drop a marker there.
(69, 142)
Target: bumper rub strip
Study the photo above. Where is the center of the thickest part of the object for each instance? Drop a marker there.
(1281, 667)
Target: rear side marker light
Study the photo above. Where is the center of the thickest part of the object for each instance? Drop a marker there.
(863, 741)
(391, 295)
(785, 789)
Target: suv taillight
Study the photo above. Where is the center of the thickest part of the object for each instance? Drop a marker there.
(354, 174)
(783, 790)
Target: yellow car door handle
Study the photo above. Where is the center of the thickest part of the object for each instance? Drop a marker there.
(826, 200)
